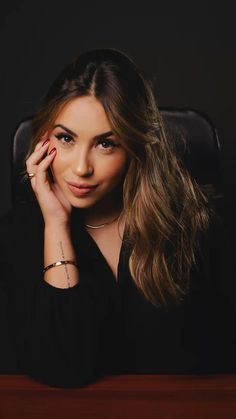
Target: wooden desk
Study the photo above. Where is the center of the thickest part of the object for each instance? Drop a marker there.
(136, 396)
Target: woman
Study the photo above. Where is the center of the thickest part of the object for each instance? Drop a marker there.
(117, 281)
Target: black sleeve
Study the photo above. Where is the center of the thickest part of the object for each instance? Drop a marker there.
(53, 333)
(7, 355)
(8, 358)
(62, 338)
(220, 295)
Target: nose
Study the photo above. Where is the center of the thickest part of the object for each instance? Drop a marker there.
(82, 165)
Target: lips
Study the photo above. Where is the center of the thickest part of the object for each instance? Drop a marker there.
(80, 191)
(82, 185)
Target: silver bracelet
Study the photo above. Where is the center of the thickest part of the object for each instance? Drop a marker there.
(59, 263)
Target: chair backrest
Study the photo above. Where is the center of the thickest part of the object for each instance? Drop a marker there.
(200, 151)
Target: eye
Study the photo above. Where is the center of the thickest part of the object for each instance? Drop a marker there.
(111, 144)
(64, 138)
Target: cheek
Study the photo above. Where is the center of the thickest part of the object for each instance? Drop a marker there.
(59, 163)
(117, 168)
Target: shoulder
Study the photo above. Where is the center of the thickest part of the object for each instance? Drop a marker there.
(20, 211)
(214, 238)
(20, 221)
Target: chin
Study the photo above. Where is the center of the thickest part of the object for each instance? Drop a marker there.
(83, 203)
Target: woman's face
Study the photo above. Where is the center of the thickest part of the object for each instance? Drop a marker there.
(87, 153)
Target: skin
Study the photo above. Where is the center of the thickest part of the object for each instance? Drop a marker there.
(82, 158)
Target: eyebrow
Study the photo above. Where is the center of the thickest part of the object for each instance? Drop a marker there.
(103, 135)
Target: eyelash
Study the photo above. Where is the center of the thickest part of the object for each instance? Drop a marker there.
(62, 135)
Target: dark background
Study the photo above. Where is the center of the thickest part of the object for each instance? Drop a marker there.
(187, 48)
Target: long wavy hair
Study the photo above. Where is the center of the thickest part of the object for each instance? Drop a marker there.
(165, 210)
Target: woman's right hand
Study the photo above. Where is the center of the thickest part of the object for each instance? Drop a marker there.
(54, 205)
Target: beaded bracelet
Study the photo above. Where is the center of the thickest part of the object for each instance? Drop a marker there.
(59, 263)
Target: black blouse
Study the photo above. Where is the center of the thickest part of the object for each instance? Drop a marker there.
(70, 337)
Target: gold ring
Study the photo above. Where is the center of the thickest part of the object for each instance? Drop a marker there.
(30, 175)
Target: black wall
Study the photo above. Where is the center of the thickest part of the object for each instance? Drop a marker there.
(187, 47)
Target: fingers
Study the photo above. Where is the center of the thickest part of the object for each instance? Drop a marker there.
(44, 165)
(37, 154)
(37, 164)
(43, 139)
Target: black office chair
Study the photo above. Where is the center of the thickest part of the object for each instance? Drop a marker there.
(194, 134)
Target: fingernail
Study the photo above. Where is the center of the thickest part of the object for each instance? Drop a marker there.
(46, 141)
(52, 150)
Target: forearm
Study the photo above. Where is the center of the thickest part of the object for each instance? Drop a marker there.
(58, 246)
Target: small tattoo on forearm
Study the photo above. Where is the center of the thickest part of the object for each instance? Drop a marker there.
(62, 252)
(65, 266)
